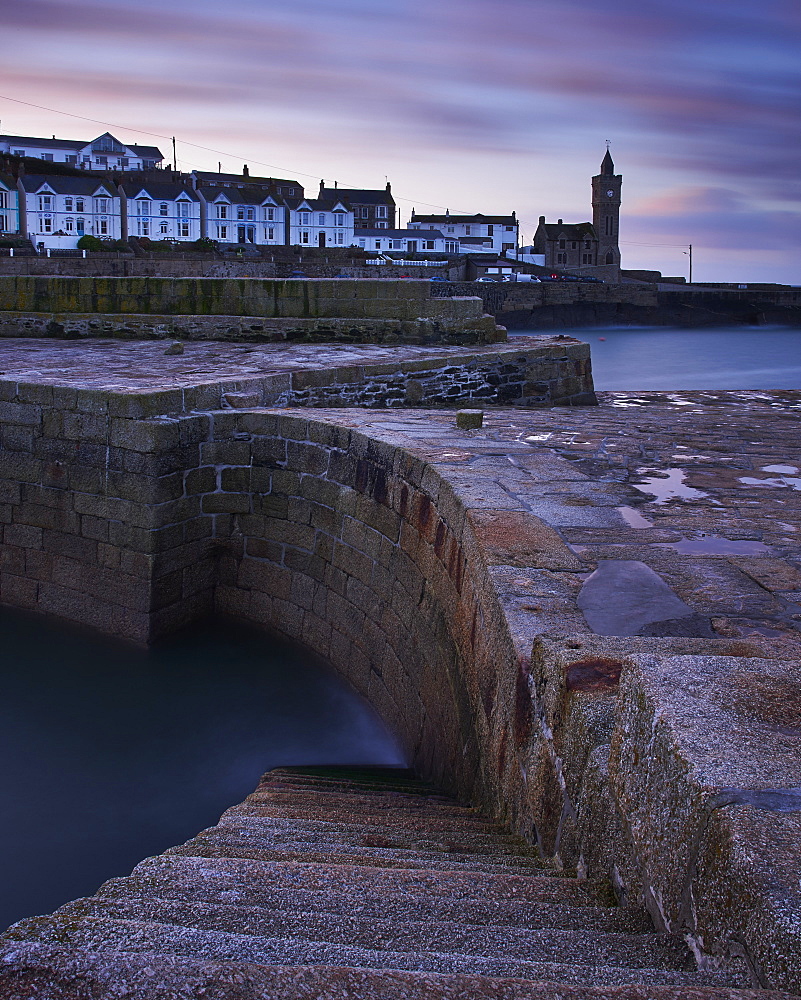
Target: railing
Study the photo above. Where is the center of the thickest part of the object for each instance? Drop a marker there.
(402, 262)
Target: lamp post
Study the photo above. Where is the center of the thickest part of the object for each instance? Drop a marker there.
(689, 253)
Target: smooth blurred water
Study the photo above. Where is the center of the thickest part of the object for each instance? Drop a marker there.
(110, 753)
(668, 359)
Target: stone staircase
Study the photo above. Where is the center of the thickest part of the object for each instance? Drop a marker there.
(334, 883)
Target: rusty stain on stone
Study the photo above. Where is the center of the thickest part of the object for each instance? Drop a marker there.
(596, 673)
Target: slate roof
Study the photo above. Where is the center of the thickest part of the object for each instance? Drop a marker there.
(160, 190)
(241, 196)
(450, 220)
(8, 181)
(32, 183)
(359, 196)
(212, 179)
(402, 234)
(27, 140)
(569, 231)
(318, 204)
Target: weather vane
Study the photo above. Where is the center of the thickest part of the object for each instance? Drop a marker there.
(608, 144)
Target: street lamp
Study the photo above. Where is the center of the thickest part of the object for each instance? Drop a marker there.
(689, 253)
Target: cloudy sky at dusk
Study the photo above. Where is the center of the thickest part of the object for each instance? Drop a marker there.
(480, 105)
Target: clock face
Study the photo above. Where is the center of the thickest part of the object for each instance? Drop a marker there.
(610, 194)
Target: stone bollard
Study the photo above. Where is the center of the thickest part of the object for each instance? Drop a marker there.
(175, 348)
(468, 420)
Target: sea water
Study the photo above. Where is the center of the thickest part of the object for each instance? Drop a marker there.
(667, 359)
(110, 752)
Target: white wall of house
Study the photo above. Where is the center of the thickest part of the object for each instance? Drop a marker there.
(9, 209)
(162, 217)
(404, 241)
(490, 237)
(229, 220)
(104, 152)
(314, 227)
(58, 219)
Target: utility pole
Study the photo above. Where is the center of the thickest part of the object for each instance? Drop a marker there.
(689, 253)
(174, 157)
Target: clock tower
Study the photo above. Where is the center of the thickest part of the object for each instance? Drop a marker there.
(606, 211)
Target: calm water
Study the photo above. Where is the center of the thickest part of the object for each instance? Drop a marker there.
(111, 753)
(669, 359)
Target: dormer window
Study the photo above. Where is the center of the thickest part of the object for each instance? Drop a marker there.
(339, 218)
(183, 209)
(142, 208)
(163, 209)
(45, 203)
(271, 215)
(304, 218)
(222, 211)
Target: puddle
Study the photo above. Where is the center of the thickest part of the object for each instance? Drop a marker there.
(714, 545)
(667, 485)
(538, 437)
(622, 597)
(634, 518)
(784, 470)
(787, 527)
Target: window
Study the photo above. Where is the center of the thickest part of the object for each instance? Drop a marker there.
(339, 218)
(143, 227)
(79, 204)
(270, 233)
(251, 215)
(222, 232)
(365, 213)
(3, 201)
(123, 161)
(48, 157)
(381, 212)
(608, 225)
(45, 203)
(562, 244)
(101, 161)
(304, 237)
(18, 152)
(362, 243)
(574, 245)
(68, 204)
(450, 229)
(467, 230)
(489, 230)
(450, 246)
(304, 218)
(222, 211)
(394, 244)
(587, 245)
(321, 219)
(561, 258)
(164, 227)
(183, 209)
(270, 214)
(183, 229)
(381, 225)
(101, 205)
(103, 230)
(378, 244)
(46, 224)
(510, 229)
(69, 225)
(143, 207)
(240, 213)
(163, 210)
(71, 158)
(340, 238)
(2, 223)
(586, 258)
(429, 245)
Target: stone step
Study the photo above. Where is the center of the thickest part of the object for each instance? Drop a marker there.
(42, 973)
(408, 822)
(113, 936)
(216, 843)
(358, 879)
(217, 888)
(407, 934)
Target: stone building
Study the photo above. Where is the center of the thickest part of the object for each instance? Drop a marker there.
(586, 244)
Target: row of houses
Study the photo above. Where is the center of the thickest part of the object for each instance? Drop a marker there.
(56, 210)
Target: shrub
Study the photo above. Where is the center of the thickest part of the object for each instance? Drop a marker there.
(88, 242)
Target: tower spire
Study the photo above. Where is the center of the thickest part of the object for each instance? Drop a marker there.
(607, 164)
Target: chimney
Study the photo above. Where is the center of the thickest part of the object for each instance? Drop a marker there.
(245, 171)
(389, 186)
(559, 222)
(542, 220)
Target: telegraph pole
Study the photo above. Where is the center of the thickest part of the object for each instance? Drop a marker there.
(689, 253)
(174, 157)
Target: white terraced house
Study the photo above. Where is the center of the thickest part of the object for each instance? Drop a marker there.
(103, 153)
(475, 233)
(9, 205)
(405, 241)
(320, 222)
(57, 211)
(160, 211)
(242, 216)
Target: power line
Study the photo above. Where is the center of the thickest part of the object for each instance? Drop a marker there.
(195, 145)
(678, 246)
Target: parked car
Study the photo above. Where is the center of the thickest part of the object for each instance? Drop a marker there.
(298, 274)
(487, 278)
(569, 277)
(587, 277)
(437, 277)
(527, 277)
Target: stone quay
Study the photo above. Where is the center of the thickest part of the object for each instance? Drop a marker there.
(581, 621)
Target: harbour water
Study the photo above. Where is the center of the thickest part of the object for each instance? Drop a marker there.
(665, 359)
(111, 753)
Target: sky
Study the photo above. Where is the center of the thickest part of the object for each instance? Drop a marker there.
(476, 106)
